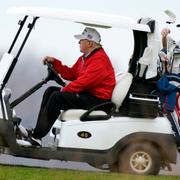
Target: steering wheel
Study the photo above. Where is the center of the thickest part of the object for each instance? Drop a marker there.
(53, 75)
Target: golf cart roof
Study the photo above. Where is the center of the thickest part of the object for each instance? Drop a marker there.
(88, 18)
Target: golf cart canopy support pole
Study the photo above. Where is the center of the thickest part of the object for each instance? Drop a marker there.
(30, 26)
(21, 23)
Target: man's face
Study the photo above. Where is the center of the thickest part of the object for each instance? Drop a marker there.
(85, 46)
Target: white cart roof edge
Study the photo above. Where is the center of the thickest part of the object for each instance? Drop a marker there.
(89, 18)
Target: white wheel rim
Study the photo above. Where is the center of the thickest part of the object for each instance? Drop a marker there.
(140, 162)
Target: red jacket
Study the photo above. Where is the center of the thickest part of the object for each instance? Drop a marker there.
(93, 74)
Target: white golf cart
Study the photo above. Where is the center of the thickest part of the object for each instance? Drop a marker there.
(131, 137)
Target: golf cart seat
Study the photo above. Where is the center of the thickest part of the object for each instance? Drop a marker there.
(123, 82)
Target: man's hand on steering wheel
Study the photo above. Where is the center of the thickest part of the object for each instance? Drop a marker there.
(48, 59)
(52, 74)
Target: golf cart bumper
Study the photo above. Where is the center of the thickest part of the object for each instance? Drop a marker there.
(7, 135)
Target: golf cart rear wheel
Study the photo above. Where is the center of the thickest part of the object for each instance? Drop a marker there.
(139, 158)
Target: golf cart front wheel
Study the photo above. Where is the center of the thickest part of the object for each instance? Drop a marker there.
(139, 158)
(113, 167)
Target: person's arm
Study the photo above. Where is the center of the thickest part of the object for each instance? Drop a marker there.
(164, 42)
(66, 72)
(164, 33)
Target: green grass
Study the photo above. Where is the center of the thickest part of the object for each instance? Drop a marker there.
(28, 173)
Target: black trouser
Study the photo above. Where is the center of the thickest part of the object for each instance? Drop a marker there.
(53, 101)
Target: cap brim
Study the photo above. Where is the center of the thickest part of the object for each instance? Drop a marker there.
(80, 36)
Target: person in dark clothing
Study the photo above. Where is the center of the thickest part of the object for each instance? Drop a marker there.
(92, 82)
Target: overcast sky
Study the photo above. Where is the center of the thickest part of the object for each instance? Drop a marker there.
(52, 37)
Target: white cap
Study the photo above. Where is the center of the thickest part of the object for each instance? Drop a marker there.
(90, 34)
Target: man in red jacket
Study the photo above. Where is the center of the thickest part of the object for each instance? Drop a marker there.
(92, 82)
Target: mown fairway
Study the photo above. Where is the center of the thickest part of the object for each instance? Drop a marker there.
(27, 173)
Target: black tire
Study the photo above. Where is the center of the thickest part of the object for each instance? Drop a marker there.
(139, 158)
(113, 167)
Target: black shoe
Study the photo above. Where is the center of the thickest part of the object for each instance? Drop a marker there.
(33, 141)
